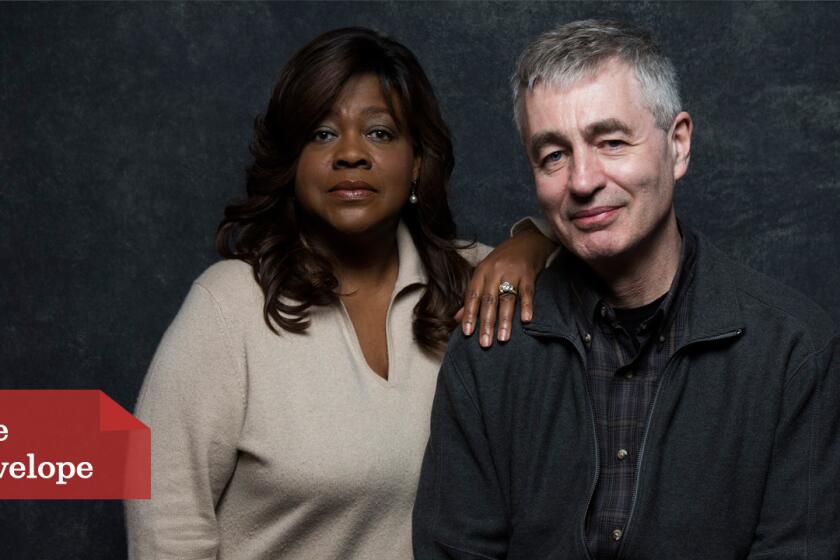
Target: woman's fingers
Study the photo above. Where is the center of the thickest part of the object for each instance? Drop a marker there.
(526, 301)
(459, 315)
(487, 321)
(507, 305)
(484, 305)
(470, 308)
(481, 304)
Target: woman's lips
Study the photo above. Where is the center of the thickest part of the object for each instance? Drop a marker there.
(352, 190)
(595, 217)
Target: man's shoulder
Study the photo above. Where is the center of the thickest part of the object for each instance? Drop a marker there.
(551, 313)
(467, 347)
(767, 302)
(465, 358)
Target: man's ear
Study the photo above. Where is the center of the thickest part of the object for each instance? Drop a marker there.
(679, 139)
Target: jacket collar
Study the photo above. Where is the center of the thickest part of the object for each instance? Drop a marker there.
(589, 303)
(713, 306)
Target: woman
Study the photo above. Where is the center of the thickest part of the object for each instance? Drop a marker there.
(289, 400)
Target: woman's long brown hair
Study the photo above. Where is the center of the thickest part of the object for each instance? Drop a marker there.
(264, 230)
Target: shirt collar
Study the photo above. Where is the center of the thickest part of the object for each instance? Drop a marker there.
(590, 305)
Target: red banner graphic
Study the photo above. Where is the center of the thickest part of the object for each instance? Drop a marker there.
(71, 445)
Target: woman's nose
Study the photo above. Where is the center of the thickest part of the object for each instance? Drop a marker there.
(350, 153)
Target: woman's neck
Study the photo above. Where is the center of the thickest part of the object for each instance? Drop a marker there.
(360, 261)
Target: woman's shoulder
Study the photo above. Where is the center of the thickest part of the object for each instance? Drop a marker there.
(472, 251)
(231, 284)
(227, 272)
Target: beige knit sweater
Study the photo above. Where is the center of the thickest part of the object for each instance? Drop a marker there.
(268, 447)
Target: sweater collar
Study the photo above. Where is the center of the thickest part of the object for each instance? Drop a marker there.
(412, 271)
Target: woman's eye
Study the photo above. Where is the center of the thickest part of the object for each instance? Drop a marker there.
(380, 134)
(322, 135)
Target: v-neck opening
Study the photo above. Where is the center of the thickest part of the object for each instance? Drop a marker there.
(359, 354)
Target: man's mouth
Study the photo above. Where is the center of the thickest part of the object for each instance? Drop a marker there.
(597, 216)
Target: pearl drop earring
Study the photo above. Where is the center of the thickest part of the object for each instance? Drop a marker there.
(413, 197)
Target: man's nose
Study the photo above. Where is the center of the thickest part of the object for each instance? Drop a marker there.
(586, 175)
(351, 153)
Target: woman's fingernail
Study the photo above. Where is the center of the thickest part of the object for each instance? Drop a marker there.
(485, 339)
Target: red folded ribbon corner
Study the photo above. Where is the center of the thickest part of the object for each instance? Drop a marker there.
(71, 445)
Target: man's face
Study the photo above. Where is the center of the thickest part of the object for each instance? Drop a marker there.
(604, 171)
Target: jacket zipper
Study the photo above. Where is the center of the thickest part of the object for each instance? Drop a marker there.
(597, 467)
(662, 383)
(594, 436)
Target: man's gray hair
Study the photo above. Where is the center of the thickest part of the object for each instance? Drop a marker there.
(577, 50)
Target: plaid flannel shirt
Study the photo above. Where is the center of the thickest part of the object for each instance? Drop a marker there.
(623, 372)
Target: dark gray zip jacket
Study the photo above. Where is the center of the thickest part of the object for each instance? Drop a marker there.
(741, 454)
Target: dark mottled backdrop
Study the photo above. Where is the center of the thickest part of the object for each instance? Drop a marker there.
(124, 127)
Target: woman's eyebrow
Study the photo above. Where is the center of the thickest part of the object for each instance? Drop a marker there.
(375, 110)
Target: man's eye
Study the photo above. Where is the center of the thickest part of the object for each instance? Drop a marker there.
(380, 134)
(552, 158)
(613, 144)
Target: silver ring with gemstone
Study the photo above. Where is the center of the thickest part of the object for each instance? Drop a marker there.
(507, 288)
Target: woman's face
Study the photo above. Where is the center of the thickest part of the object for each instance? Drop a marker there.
(355, 171)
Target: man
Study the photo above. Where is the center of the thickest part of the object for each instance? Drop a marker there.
(665, 402)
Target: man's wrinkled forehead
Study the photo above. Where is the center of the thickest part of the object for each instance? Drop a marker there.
(562, 78)
(605, 82)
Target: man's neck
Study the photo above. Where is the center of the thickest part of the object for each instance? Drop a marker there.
(646, 273)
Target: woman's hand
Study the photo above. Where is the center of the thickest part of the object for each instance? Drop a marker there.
(517, 260)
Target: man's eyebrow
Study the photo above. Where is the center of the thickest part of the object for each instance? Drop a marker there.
(606, 126)
(544, 138)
